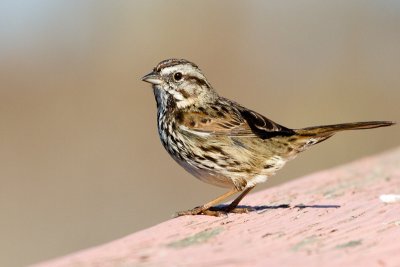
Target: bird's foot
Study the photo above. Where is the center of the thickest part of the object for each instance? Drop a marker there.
(217, 211)
(228, 209)
(201, 211)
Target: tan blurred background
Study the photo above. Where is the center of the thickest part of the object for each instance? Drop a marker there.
(80, 159)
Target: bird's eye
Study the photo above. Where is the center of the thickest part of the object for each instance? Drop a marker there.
(178, 76)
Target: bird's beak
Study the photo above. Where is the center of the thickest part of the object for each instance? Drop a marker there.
(153, 78)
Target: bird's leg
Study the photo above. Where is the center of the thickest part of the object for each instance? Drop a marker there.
(204, 209)
(233, 206)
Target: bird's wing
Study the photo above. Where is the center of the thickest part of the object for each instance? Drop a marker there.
(231, 120)
(204, 124)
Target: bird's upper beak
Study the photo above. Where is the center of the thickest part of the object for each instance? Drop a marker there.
(153, 78)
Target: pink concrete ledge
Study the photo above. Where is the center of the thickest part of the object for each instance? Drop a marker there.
(347, 216)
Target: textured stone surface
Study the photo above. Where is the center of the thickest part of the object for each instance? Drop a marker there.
(330, 218)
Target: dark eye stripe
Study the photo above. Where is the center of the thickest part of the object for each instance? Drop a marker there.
(184, 93)
(197, 80)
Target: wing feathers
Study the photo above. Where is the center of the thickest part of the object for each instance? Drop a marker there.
(230, 119)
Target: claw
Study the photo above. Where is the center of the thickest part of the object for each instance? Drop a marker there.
(195, 211)
(214, 211)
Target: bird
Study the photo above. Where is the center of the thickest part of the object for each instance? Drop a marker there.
(221, 142)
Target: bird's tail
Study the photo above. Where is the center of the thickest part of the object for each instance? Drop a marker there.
(316, 134)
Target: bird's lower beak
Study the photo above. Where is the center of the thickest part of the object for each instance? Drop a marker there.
(153, 78)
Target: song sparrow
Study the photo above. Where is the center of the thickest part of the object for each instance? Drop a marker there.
(221, 142)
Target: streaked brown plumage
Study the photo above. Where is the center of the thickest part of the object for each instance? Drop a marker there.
(221, 142)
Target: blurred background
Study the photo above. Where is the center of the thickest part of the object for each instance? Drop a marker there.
(80, 158)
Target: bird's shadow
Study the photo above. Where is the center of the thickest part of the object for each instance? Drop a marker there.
(264, 208)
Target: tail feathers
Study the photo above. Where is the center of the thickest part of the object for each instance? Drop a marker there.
(329, 130)
(313, 135)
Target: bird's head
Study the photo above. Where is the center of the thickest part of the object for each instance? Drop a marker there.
(180, 82)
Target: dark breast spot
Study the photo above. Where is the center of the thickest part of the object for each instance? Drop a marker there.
(217, 149)
(179, 117)
(204, 148)
(210, 158)
(173, 126)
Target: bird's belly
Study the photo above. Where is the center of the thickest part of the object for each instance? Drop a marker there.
(221, 161)
(206, 175)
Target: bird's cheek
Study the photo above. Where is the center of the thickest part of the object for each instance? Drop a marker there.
(186, 94)
(176, 95)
